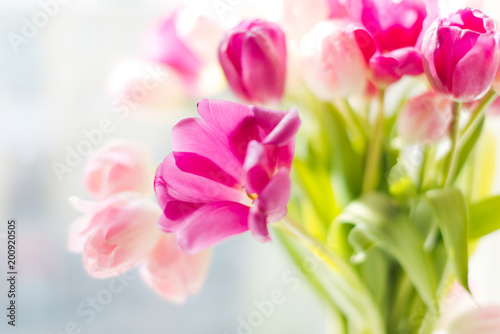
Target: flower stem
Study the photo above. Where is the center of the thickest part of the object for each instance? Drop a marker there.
(374, 148)
(452, 159)
(480, 111)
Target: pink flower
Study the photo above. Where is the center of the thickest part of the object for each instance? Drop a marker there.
(253, 57)
(332, 63)
(119, 166)
(485, 320)
(395, 31)
(116, 233)
(172, 274)
(462, 55)
(425, 118)
(229, 172)
(186, 41)
(133, 84)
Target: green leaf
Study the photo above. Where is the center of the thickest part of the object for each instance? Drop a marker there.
(450, 209)
(347, 166)
(467, 146)
(390, 227)
(316, 185)
(484, 217)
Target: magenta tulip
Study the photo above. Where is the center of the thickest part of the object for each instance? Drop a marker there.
(394, 30)
(253, 57)
(229, 172)
(461, 54)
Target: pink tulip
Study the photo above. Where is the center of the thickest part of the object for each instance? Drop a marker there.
(253, 57)
(229, 172)
(172, 274)
(394, 24)
(186, 41)
(333, 65)
(116, 233)
(394, 30)
(425, 118)
(461, 54)
(119, 166)
(485, 320)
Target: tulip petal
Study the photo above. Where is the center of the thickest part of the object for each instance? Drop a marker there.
(175, 275)
(285, 130)
(212, 223)
(192, 135)
(172, 183)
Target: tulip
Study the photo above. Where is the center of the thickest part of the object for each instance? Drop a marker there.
(172, 274)
(461, 55)
(253, 57)
(133, 84)
(186, 41)
(116, 234)
(394, 30)
(425, 118)
(229, 172)
(333, 65)
(485, 320)
(394, 24)
(118, 167)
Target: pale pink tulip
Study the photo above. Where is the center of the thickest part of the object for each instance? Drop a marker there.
(332, 63)
(119, 166)
(425, 118)
(175, 275)
(116, 234)
(229, 172)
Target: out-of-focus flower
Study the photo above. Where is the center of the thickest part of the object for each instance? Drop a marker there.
(229, 172)
(485, 320)
(298, 17)
(187, 42)
(496, 82)
(461, 54)
(461, 315)
(395, 29)
(134, 84)
(173, 274)
(338, 9)
(116, 233)
(253, 57)
(332, 63)
(119, 166)
(425, 118)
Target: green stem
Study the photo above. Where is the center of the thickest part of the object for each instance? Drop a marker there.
(451, 160)
(374, 148)
(425, 154)
(479, 112)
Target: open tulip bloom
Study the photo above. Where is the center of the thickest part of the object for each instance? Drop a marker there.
(378, 164)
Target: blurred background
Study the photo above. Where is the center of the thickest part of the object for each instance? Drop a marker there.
(53, 87)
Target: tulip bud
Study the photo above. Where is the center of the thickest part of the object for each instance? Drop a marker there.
(425, 118)
(253, 57)
(332, 63)
(461, 54)
(119, 166)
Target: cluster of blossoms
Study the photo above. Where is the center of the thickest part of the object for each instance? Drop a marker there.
(230, 170)
(118, 231)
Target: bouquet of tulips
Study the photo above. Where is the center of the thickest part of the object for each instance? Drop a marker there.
(360, 141)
